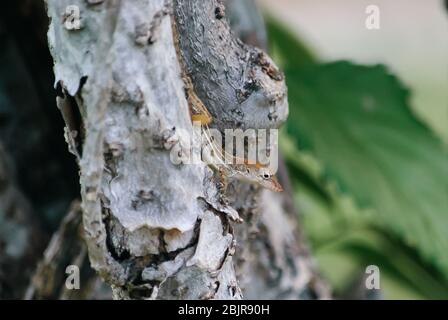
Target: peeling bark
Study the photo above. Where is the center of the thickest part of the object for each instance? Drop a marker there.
(141, 212)
(155, 229)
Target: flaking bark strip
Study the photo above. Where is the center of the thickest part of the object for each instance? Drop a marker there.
(139, 208)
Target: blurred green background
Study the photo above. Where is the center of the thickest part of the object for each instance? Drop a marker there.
(366, 139)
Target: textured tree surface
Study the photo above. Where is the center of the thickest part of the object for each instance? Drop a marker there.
(153, 229)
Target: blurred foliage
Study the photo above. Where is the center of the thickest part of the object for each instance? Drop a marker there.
(371, 179)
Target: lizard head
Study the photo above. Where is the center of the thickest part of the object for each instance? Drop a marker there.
(265, 177)
(269, 180)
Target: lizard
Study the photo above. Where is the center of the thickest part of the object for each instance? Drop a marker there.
(242, 170)
(252, 173)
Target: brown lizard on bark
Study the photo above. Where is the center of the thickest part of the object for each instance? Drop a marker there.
(253, 173)
(241, 170)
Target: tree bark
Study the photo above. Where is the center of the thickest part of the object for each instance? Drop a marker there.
(66, 248)
(154, 229)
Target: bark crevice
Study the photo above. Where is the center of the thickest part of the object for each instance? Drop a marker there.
(155, 229)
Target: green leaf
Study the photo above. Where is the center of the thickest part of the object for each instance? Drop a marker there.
(285, 47)
(357, 122)
(363, 246)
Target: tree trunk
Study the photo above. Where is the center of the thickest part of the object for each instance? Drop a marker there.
(153, 229)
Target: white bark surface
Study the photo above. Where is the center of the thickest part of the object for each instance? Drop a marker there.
(156, 230)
